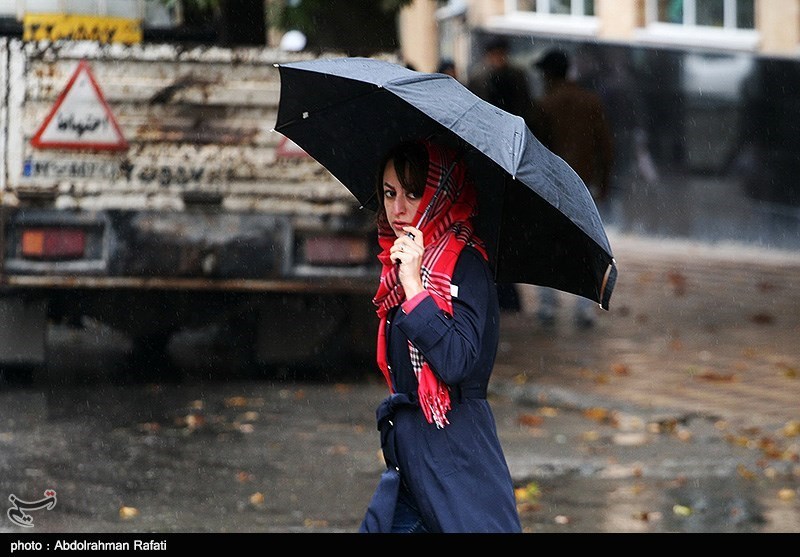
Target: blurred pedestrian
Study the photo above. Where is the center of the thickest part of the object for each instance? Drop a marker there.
(575, 127)
(499, 82)
(437, 343)
(505, 85)
(447, 67)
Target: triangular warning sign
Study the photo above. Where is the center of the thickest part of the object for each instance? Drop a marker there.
(81, 118)
(288, 149)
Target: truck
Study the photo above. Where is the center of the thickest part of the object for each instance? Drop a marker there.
(143, 188)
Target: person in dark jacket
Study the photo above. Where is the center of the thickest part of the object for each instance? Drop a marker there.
(437, 341)
(501, 83)
(575, 127)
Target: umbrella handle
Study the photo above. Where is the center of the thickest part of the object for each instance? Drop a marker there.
(410, 235)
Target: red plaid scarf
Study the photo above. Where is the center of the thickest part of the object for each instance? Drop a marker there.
(447, 229)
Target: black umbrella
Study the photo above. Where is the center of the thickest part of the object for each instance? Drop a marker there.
(536, 215)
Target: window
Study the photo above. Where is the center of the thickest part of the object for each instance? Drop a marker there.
(555, 7)
(727, 14)
(564, 18)
(723, 24)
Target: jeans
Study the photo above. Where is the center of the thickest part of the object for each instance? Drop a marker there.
(583, 310)
(407, 518)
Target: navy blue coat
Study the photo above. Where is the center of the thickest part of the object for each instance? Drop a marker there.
(458, 474)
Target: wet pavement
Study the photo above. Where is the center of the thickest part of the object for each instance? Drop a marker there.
(677, 412)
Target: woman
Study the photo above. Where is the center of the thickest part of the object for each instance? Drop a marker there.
(437, 341)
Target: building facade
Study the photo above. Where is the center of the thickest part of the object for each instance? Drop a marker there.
(701, 94)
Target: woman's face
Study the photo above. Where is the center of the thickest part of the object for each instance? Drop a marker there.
(401, 206)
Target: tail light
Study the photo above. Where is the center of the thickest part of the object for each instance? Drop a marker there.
(53, 243)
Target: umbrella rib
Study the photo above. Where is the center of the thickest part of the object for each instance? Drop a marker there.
(324, 109)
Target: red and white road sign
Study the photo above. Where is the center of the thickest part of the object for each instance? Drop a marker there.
(80, 118)
(288, 149)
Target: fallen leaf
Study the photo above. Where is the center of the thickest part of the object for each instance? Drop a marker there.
(562, 519)
(766, 286)
(620, 369)
(749, 352)
(315, 523)
(741, 366)
(194, 421)
(235, 402)
(647, 516)
(762, 318)
(530, 420)
(257, 498)
(520, 379)
(149, 427)
(788, 371)
(645, 278)
(633, 439)
(523, 508)
(250, 416)
(738, 440)
(548, 411)
(667, 425)
(527, 493)
(342, 388)
(786, 494)
(716, 376)
(677, 281)
(586, 373)
(745, 473)
(590, 436)
(597, 414)
(681, 510)
(791, 428)
(770, 472)
(244, 477)
(127, 513)
(338, 449)
(638, 489)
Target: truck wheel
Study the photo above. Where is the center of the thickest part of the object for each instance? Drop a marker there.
(18, 374)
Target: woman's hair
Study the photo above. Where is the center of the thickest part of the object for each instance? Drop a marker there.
(410, 160)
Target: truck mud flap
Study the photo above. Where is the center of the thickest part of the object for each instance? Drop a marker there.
(23, 331)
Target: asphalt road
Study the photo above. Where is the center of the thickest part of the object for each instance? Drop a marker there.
(676, 413)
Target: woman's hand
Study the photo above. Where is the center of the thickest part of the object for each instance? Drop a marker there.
(407, 250)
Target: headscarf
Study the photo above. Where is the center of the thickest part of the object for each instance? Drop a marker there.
(447, 229)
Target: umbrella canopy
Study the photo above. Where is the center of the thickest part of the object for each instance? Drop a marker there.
(537, 217)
